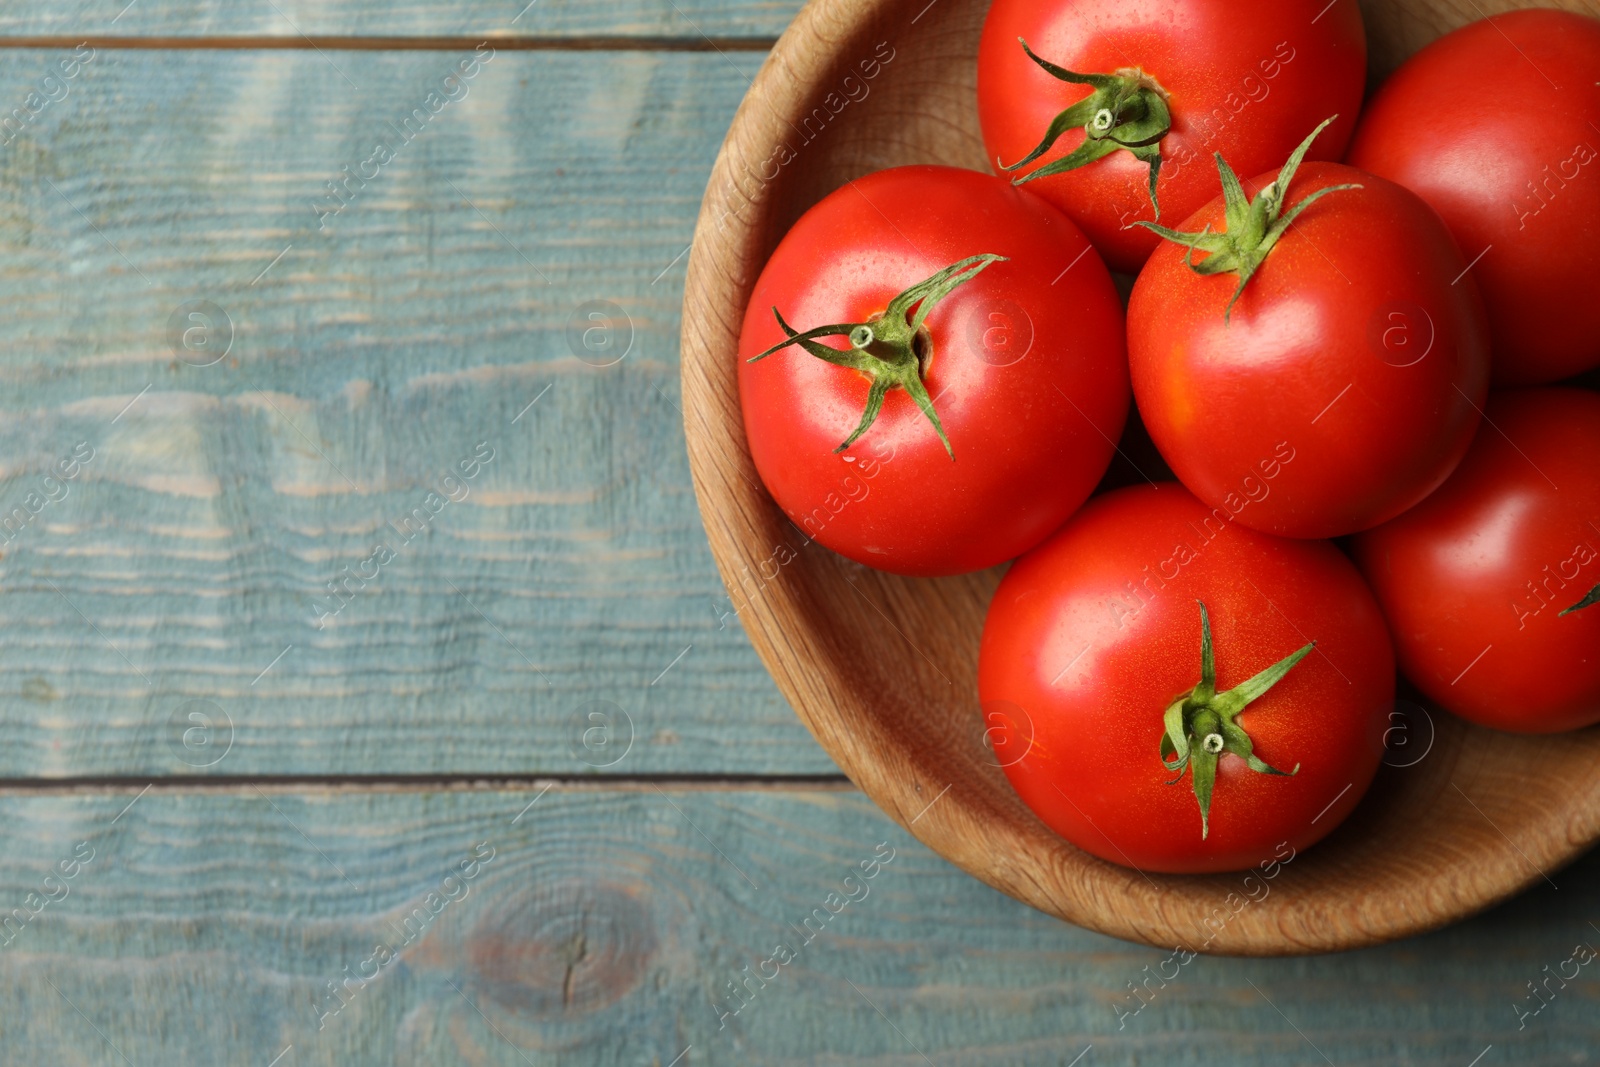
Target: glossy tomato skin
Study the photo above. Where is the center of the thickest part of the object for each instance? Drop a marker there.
(1474, 578)
(1092, 635)
(1359, 346)
(1248, 78)
(1497, 125)
(1028, 374)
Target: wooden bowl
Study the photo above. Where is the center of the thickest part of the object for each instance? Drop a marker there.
(883, 670)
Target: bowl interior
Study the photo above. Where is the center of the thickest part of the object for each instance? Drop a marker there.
(883, 670)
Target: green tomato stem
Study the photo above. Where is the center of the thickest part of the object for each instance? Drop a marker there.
(1126, 111)
(1254, 226)
(884, 348)
(1201, 726)
(1591, 597)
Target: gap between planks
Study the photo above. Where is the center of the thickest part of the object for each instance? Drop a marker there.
(334, 43)
(434, 783)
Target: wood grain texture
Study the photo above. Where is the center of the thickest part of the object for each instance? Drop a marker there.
(209, 921)
(1395, 30)
(683, 19)
(609, 922)
(1483, 817)
(366, 363)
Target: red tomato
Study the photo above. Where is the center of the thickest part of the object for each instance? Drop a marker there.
(1345, 383)
(1247, 78)
(1497, 125)
(1023, 363)
(1093, 635)
(1477, 580)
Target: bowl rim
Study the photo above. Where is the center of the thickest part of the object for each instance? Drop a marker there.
(727, 253)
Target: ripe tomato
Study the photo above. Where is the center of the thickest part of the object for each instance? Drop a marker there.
(1345, 383)
(1480, 580)
(1244, 77)
(1022, 364)
(1094, 637)
(1497, 125)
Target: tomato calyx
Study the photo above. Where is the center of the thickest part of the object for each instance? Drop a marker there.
(892, 349)
(1254, 226)
(1127, 110)
(1201, 724)
(1589, 598)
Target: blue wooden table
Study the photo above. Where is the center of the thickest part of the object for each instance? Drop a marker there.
(369, 693)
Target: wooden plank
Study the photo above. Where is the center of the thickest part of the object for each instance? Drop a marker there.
(374, 349)
(608, 924)
(686, 20)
